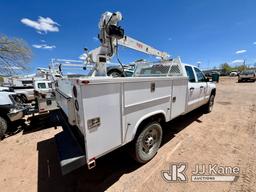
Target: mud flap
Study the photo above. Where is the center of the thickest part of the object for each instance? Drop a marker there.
(71, 156)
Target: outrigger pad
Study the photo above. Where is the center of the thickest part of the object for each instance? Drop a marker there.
(71, 156)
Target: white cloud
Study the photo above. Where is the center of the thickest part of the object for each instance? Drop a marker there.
(238, 61)
(44, 46)
(83, 56)
(12, 67)
(254, 43)
(241, 51)
(42, 25)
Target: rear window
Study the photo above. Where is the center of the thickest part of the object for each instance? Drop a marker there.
(247, 72)
(41, 86)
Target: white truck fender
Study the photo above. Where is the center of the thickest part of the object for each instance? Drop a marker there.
(161, 112)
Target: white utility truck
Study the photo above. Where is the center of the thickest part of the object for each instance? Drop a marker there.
(44, 96)
(105, 113)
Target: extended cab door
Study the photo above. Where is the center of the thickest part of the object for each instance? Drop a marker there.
(202, 86)
(193, 89)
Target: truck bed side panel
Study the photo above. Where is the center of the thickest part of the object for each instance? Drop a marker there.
(141, 101)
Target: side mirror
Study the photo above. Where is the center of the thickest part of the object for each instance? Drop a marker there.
(207, 79)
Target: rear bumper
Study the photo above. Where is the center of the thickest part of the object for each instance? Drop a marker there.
(247, 78)
(71, 154)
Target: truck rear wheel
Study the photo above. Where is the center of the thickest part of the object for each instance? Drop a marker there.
(3, 127)
(147, 142)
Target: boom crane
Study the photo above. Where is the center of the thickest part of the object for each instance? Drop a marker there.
(111, 35)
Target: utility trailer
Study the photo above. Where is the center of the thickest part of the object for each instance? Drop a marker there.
(111, 112)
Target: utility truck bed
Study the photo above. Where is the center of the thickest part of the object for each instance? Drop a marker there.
(108, 111)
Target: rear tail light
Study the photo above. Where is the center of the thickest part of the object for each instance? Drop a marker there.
(85, 82)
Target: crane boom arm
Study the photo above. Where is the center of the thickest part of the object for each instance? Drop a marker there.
(141, 47)
(111, 35)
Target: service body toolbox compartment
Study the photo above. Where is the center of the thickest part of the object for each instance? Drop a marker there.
(108, 111)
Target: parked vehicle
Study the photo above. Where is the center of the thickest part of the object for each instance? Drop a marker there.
(112, 112)
(233, 73)
(11, 109)
(248, 75)
(118, 71)
(44, 96)
(105, 113)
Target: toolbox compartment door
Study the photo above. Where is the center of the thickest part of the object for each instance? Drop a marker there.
(103, 125)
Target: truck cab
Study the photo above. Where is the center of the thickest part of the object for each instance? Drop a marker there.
(199, 87)
(43, 86)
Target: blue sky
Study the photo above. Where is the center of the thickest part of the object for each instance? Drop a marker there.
(209, 31)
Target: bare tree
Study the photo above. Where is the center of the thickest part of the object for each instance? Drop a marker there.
(14, 55)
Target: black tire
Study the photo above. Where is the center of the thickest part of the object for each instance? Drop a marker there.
(3, 127)
(115, 73)
(147, 142)
(209, 105)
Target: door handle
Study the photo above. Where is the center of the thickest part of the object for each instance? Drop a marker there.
(191, 88)
(201, 87)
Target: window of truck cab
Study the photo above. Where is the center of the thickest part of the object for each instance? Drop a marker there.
(190, 74)
(41, 85)
(50, 85)
(200, 76)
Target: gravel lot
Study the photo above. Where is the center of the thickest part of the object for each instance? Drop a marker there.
(227, 136)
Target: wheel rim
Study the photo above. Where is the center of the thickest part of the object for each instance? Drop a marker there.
(115, 74)
(151, 140)
(211, 102)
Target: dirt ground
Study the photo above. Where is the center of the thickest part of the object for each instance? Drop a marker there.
(227, 137)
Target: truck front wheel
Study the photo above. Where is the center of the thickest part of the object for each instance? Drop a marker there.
(3, 127)
(147, 142)
(209, 105)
